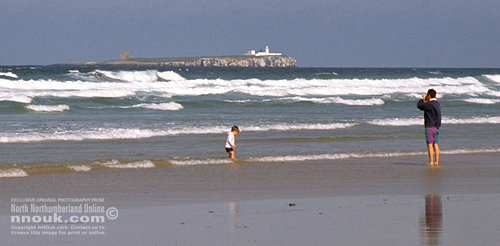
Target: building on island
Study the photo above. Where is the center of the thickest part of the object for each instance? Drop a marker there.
(262, 53)
(124, 55)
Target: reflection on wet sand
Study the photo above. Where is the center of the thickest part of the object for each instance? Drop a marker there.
(432, 224)
(233, 215)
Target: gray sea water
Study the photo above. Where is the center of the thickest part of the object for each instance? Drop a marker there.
(79, 118)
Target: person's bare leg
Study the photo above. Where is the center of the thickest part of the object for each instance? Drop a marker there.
(436, 150)
(430, 150)
(231, 154)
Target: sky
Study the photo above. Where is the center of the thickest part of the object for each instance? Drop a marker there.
(317, 33)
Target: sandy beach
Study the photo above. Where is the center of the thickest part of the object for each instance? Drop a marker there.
(117, 123)
(378, 201)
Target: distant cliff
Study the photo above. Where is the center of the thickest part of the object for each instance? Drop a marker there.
(215, 61)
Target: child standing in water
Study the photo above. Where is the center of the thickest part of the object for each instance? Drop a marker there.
(230, 146)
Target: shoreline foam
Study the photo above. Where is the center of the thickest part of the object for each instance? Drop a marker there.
(22, 170)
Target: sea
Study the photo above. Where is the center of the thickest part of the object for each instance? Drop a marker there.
(70, 118)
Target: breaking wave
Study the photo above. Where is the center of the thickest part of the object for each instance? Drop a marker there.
(363, 87)
(80, 168)
(493, 77)
(15, 97)
(481, 100)
(48, 108)
(288, 127)
(12, 172)
(420, 121)
(115, 164)
(9, 74)
(338, 156)
(138, 76)
(191, 162)
(140, 133)
(137, 133)
(477, 120)
(328, 156)
(157, 106)
(397, 122)
(339, 100)
(170, 76)
(139, 164)
(116, 84)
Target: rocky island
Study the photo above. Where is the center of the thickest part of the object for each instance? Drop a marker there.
(250, 59)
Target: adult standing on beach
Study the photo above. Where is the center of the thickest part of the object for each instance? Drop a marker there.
(432, 121)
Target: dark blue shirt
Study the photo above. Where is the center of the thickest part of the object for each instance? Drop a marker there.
(432, 112)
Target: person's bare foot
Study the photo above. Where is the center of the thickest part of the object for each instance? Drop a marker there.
(433, 166)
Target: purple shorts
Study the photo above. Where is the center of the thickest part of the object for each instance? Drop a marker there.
(432, 134)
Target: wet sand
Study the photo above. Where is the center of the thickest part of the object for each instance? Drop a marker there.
(379, 201)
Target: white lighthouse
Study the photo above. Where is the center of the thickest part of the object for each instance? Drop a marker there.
(262, 53)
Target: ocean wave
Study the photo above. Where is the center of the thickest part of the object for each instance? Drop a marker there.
(115, 164)
(141, 133)
(192, 162)
(327, 73)
(127, 76)
(288, 127)
(48, 108)
(339, 100)
(493, 77)
(435, 72)
(396, 122)
(111, 133)
(14, 97)
(157, 106)
(139, 164)
(138, 76)
(470, 151)
(328, 156)
(288, 158)
(332, 156)
(9, 74)
(170, 75)
(477, 120)
(132, 83)
(80, 168)
(363, 87)
(481, 100)
(76, 74)
(25, 90)
(493, 93)
(420, 121)
(81, 135)
(137, 133)
(12, 172)
(19, 90)
(241, 101)
(104, 134)
(338, 156)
